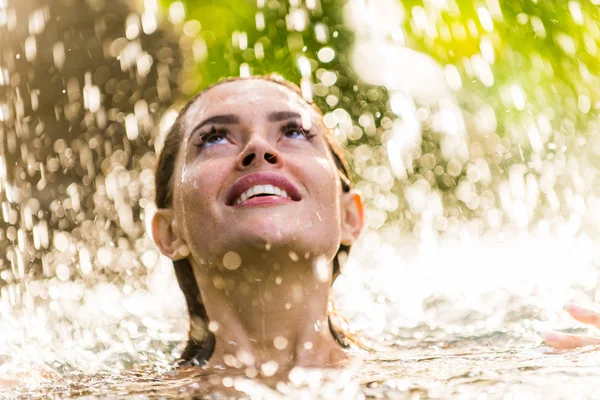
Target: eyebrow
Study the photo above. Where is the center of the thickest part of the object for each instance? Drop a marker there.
(282, 115)
(218, 119)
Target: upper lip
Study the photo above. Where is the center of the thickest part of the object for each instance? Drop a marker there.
(262, 178)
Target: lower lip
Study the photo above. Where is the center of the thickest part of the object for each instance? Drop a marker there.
(264, 201)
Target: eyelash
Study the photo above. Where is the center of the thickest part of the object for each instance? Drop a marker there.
(206, 136)
(294, 126)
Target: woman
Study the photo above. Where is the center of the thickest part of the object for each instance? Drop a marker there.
(255, 208)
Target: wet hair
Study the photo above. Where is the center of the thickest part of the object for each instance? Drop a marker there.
(201, 341)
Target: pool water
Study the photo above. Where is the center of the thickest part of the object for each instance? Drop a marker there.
(491, 367)
(429, 338)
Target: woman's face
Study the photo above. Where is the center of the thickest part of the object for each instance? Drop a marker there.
(244, 143)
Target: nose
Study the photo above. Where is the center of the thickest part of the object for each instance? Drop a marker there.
(257, 150)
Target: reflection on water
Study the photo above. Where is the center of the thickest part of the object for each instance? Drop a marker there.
(477, 154)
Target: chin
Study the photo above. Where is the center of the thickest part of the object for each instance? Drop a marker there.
(284, 241)
(261, 235)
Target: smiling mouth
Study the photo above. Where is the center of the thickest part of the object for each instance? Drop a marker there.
(262, 188)
(261, 191)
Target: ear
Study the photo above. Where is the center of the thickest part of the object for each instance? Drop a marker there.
(353, 216)
(166, 235)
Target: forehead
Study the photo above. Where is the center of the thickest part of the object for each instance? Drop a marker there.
(252, 97)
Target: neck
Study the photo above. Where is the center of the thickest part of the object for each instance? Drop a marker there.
(265, 313)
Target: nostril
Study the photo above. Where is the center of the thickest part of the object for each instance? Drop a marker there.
(248, 159)
(271, 158)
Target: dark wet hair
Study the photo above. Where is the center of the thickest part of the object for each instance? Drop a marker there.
(201, 341)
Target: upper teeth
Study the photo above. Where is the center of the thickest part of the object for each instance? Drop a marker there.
(261, 189)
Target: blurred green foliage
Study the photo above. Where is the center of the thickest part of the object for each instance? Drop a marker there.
(547, 50)
(221, 19)
(535, 42)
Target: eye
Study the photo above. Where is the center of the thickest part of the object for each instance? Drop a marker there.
(295, 131)
(212, 137)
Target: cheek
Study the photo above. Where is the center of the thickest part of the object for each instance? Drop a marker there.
(200, 185)
(321, 180)
(201, 218)
(324, 176)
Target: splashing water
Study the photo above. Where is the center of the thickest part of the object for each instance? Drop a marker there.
(473, 128)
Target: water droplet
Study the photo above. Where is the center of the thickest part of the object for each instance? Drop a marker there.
(485, 18)
(213, 326)
(232, 361)
(131, 127)
(280, 342)
(176, 12)
(232, 260)
(260, 21)
(326, 54)
(321, 269)
(293, 256)
(192, 28)
(62, 272)
(30, 48)
(227, 382)
(149, 23)
(304, 66)
(245, 358)
(245, 70)
(219, 282)
(132, 26)
(269, 368)
(575, 9)
(149, 258)
(61, 241)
